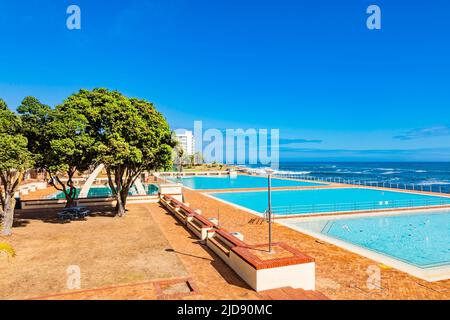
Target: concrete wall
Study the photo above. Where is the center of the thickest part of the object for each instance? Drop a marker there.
(89, 202)
(291, 273)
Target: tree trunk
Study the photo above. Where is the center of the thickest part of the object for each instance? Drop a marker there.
(10, 184)
(70, 196)
(2, 201)
(8, 214)
(116, 188)
(69, 201)
(122, 196)
(121, 186)
(120, 206)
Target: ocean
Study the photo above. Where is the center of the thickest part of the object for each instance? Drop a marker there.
(420, 174)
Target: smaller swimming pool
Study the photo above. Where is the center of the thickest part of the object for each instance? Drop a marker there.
(239, 182)
(418, 243)
(103, 191)
(323, 200)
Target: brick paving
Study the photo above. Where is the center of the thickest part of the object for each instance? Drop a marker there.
(39, 194)
(209, 277)
(340, 274)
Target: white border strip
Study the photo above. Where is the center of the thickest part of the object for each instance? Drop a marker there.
(428, 274)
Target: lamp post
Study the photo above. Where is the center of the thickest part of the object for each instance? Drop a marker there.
(269, 206)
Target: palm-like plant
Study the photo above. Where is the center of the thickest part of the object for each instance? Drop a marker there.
(191, 160)
(7, 250)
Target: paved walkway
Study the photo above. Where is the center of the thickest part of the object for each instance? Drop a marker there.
(109, 251)
(340, 274)
(209, 277)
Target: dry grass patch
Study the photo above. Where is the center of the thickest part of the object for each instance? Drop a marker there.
(109, 251)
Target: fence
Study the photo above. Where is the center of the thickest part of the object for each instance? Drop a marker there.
(359, 206)
(437, 188)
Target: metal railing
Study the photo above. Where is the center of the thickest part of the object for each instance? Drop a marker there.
(359, 206)
(436, 188)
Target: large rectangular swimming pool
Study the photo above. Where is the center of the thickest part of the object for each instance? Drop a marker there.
(239, 182)
(419, 239)
(313, 201)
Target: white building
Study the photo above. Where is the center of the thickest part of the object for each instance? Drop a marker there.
(187, 142)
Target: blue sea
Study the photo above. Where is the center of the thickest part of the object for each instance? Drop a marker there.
(421, 174)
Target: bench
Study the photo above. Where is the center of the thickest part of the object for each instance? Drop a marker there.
(261, 270)
(199, 225)
(222, 242)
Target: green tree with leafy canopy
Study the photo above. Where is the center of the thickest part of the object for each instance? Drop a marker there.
(15, 159)
(130, 135)
(59, 143)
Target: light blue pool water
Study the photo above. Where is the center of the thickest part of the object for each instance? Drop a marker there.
(239, 182)
(419, 239)
(100, 192)
(291, 202)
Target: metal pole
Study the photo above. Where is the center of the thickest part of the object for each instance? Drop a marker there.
(269, 213)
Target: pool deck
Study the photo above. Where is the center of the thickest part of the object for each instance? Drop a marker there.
(340, 274)
(328, 186)
(39, 194)
(156, 243)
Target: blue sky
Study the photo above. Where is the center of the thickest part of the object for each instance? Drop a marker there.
(336, 90)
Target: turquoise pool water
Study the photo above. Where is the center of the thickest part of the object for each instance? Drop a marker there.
(420, 239)
(239, 182)
(100, 192)
(291, 202)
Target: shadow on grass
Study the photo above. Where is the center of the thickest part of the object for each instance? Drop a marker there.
(23, 217)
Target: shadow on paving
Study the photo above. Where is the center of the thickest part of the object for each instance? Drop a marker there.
(216, 262)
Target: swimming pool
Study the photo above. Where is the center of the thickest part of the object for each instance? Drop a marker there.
(103, 191)
(419, 241)
(313, 201)
(239, 182)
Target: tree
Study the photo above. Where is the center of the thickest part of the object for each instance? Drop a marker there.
(14, 160)
(59, 144)
(178, 155)
(191, 160)
(199, 157)
(130, 135)
(34, 118)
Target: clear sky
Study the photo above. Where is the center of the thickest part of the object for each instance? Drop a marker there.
(334, 88)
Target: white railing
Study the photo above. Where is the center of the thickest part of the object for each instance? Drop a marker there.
(359, 206)
(436, 188)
